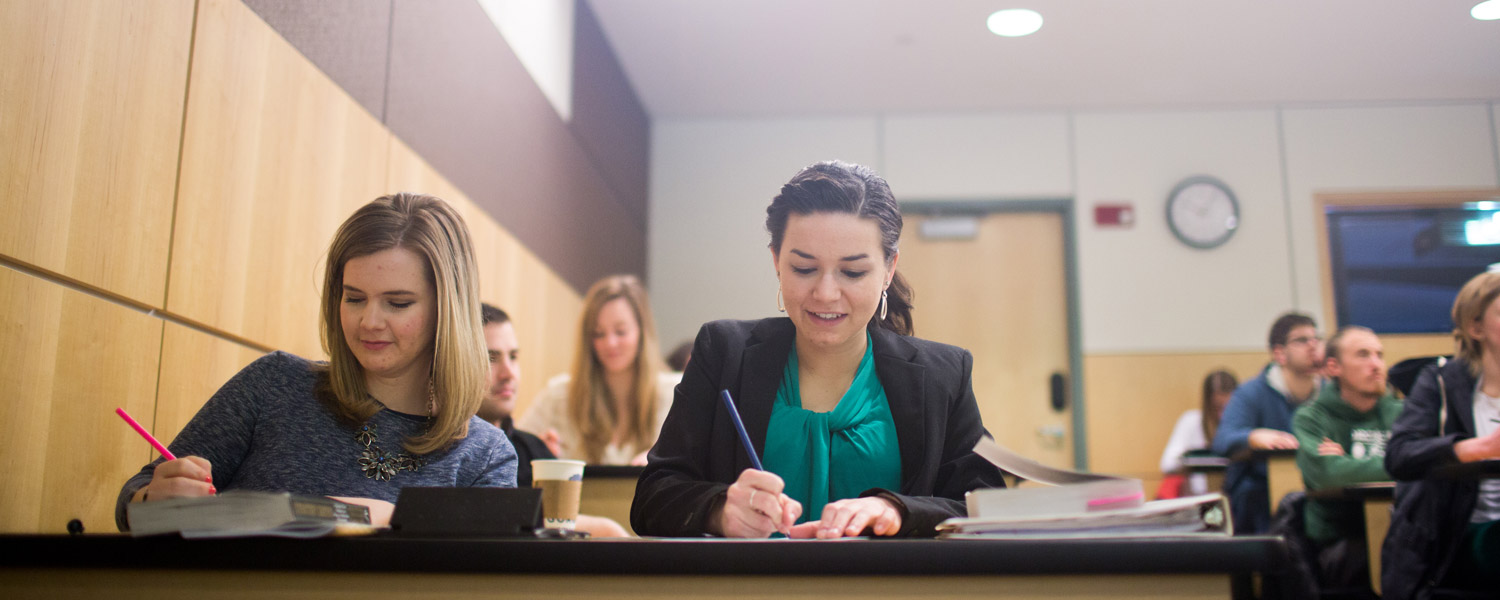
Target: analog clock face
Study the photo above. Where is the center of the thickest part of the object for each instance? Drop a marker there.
(1202, 212)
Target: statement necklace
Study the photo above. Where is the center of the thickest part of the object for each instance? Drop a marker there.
(379, 464)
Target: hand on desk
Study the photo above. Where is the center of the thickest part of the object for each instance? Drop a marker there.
(755, 507)
(189, 476)
(1272, 439)
(850, 517)
(601, 527)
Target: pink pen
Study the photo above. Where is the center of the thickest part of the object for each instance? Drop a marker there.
(167, 454)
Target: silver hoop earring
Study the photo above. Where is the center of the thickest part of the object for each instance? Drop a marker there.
(779, 306)
(882, 305)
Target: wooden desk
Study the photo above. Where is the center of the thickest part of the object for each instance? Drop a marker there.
(1211, 467)
(1377, 499)
(608, 491)
(119, 567)
(1282, 474)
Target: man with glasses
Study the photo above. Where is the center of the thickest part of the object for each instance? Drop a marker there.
(1259, 415)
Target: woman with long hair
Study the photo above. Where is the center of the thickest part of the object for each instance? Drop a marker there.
(1194, 430)
(862, 427)
(393, 406)
(609, 409)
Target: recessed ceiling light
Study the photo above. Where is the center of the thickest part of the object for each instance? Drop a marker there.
(1488, 10)
(1016, 22)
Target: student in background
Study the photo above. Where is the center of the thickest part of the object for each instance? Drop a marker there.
(1259, 415)
(394, 405)
(505, 378)
(1342, 437)
(678, 359)
(610, 408)
(862, 428)
(1194, 429)
(1448, 530)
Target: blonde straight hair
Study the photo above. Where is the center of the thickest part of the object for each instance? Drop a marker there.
(1468, 307)
(430, 228)
(589, 405)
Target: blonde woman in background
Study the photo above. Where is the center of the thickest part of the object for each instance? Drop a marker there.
(610, 408)
(393, 406)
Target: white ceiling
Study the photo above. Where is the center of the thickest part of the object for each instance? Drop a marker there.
(816, 57)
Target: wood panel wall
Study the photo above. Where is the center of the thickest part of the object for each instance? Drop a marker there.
(91, 95)
(71, 358)
(173, 172)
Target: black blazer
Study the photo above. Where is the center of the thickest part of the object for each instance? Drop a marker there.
(699, 454)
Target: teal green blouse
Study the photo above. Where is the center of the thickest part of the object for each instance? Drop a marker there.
(835, 455)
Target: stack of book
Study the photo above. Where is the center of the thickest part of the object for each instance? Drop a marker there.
(1083, 505)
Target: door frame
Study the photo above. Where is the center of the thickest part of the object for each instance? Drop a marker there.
(1063, 207)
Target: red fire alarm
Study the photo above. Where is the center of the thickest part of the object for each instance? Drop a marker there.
(1114, 215)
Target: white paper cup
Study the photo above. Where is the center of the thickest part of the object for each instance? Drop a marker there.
(561, 482)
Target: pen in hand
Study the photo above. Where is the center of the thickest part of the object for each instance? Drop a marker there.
(739, 427)
(165, 453)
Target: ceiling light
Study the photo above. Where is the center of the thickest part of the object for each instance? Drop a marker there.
(1016, 22)
(1488, 10)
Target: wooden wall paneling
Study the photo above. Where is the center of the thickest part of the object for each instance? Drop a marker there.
(90, 120)
(560, 317)
(542, 306)
(1135, 399)
(71, 359)
(276, 156)
(409, 173)
(194, 365)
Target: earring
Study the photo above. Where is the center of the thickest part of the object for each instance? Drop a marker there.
(882, 305)
(779, 306)
(431, 398)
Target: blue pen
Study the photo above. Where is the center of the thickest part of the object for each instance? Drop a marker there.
(739, 427)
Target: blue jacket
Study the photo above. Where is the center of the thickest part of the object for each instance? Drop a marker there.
(1254, 405)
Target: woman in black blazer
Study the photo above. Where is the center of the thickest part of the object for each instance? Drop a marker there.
(844, 343)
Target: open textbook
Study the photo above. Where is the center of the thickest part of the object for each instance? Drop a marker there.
(1073, 504)
(242, 513)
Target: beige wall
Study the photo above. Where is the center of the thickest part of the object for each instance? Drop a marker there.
(1155, 315)
(171, 185)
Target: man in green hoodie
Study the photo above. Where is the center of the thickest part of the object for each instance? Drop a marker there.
(1341, 441)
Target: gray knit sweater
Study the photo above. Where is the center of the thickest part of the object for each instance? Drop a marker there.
(265, 430)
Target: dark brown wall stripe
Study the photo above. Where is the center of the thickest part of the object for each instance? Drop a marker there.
(442, 79)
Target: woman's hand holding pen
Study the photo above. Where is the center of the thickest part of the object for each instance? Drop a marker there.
(188, 476)
(850, 517)
(756, 508)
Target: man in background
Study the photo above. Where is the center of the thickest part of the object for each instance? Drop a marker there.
(1259, 416)
(1342, 436)
(500, 402)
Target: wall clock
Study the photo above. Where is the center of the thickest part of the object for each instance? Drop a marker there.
(1202, 212)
